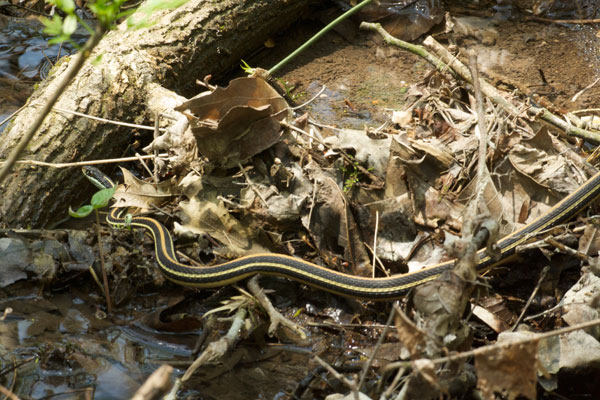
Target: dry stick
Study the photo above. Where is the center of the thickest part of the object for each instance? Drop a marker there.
(109, 121)
(83, 55)
(11, 116)
(365, 369)
(351, 384)
(377, 181)
(215, 350)
(568, 250)
(413, 48)
(561, 21)
(535, 290)
(497, 346)
(482, 172)
(276, 317)
(497, 98)
(375, 242)
(157, 384)
(84, 163)
(156, 134)
(8, 393)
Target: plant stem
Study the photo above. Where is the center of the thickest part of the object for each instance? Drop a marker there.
(69, 76)
(318, 36)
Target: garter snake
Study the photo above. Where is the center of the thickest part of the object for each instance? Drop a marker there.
(294, 268)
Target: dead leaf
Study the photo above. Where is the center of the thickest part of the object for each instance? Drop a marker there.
(211, 217)
(235, 123)
(510, 370)
(371, 153)
(140, 194)
(331, 223)
(409, 334)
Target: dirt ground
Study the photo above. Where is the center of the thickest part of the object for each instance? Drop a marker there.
(553, 61)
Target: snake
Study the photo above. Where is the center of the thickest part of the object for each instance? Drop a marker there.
(379, 288)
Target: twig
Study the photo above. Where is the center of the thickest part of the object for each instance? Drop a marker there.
(561, 21)
(68, 77)
(365, 369)
(274, 315)
(156, 385)
(375, 242)
(413, 48)
(109, 121)
(377, 181)
(83, 163)
(493, 94)
(307, 102)
(155, 136)
(252, 186)
(582, 91)
(141, 160)
(535, 290)
(497, 346)
(482, 172)
(216, 350)
(11, 115)
(349, 383)
(8, 393)
(566, 249)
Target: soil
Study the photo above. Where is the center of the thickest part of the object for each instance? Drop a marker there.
(551, 60)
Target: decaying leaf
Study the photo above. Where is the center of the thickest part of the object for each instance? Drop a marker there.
(371, 153)
(509, 370)
(211, 217)
(235, 123)
(330, 222)
(15, 256)
(410, 335)
(140, 194)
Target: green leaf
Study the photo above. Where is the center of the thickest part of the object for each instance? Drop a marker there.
(142, 20)
(52, 27)
(67, 6)
(101, 198)
(69, 25)
(82, 212)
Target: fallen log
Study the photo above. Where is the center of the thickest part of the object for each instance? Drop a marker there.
(137, 68)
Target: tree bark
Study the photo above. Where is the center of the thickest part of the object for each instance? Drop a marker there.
(184, 45)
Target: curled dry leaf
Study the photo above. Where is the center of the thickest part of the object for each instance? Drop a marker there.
(140, 194)
(409, 334)
(235, 123)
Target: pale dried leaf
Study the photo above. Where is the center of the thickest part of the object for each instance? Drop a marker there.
(213, 218)
(371, 153)
(140, 194)
(508, 370)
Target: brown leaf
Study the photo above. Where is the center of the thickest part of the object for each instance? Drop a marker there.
(235, 123)
(141, 194)
(409, 334)
(510, 371)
